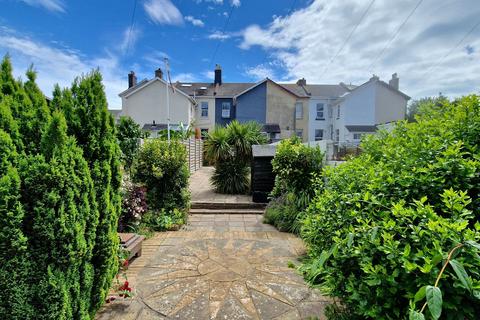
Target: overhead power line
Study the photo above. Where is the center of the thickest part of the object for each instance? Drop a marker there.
(132, 23)
(439, 62)
(370, 68)
(348, 38)
(223, 32)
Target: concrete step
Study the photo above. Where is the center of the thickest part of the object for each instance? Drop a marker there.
(227, 211)
(227, 205)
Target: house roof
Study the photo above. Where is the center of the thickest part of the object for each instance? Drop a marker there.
(226, 90)
(271, 128)
(154, 127)
(271, 81)
(328, 90)
(144, 83)
(361, 128)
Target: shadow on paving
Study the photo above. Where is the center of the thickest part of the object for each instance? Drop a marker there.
(218, 275)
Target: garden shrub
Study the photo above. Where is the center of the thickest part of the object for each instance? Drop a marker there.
(295, 166)
(58, 199)
(128, 134)
(382, 224)
(229, 149)
(161, 167)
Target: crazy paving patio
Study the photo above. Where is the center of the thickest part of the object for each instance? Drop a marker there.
(219, 266)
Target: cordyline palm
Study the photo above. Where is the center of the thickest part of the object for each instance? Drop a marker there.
(216, 146)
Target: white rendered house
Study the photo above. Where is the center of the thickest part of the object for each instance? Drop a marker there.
(146, 103)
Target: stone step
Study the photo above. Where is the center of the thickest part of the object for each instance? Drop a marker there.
(227, 211)
(227, 205)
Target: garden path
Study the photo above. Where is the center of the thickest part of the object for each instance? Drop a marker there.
(219, 266)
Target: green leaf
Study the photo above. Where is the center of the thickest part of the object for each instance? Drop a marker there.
(350, 240)
(420, 295)
(462, 274)
(434, 301)
(476, 294)
(473, 244)
(415, 315)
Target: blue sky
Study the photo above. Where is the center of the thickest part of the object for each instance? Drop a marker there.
(284, 39)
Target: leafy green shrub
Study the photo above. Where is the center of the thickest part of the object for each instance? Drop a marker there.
(295, 166)
(58, 199)
(229, 149)
(162, 168)
(231, 178)
(128, 135)
(382, 223)
(164, 220)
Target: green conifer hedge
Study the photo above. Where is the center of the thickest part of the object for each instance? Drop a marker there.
(59, 198)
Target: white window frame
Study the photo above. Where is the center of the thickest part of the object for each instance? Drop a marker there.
(320, 136)
(226, 110)
(320, 111)
(202, 109)
(299, 110)
(357, 136)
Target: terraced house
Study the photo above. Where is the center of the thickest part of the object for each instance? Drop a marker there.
(340, 112)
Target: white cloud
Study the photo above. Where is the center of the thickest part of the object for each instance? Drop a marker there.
(209, 75)
(130, 38)
(156, 58)
(259, 72)
(195, 22)
(305, 41)
(61, 65)
(50, 5)
(236, 3)
(163, 12)
(219, 2)
(218, 35)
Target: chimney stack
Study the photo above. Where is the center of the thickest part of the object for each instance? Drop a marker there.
(374, 78)
(395, 81)
(218, 75)
(302, 82)
(159, 73)
(132, 79)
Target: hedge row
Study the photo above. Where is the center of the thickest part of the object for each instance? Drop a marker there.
(59, 202)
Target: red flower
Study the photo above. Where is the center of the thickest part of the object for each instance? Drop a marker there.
(125, 263)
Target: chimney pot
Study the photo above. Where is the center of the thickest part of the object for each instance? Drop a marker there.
(159, 73)
(302, 82)
(218, 75)
(132, 79)
(395, 81)
(374, 77)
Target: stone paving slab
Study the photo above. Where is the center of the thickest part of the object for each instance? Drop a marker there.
(201, 189)
(210, 274)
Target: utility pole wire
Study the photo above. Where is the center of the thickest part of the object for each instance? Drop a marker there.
(348, 38)
(223, 32)
(132, 23)
(370, 68)
(435, 65)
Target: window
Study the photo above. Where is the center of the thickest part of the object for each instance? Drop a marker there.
(203, 133)
(299, 133)
(337, 135)
(338, 112)
(298, 110)
(331, 132)
(225, 109)
(204, 109)
(318, 134)
(357, 136)
(320, 111)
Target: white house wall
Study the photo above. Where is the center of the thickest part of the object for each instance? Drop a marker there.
(391, 106)
(149, 104)
(315, 124)
(360, 106)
